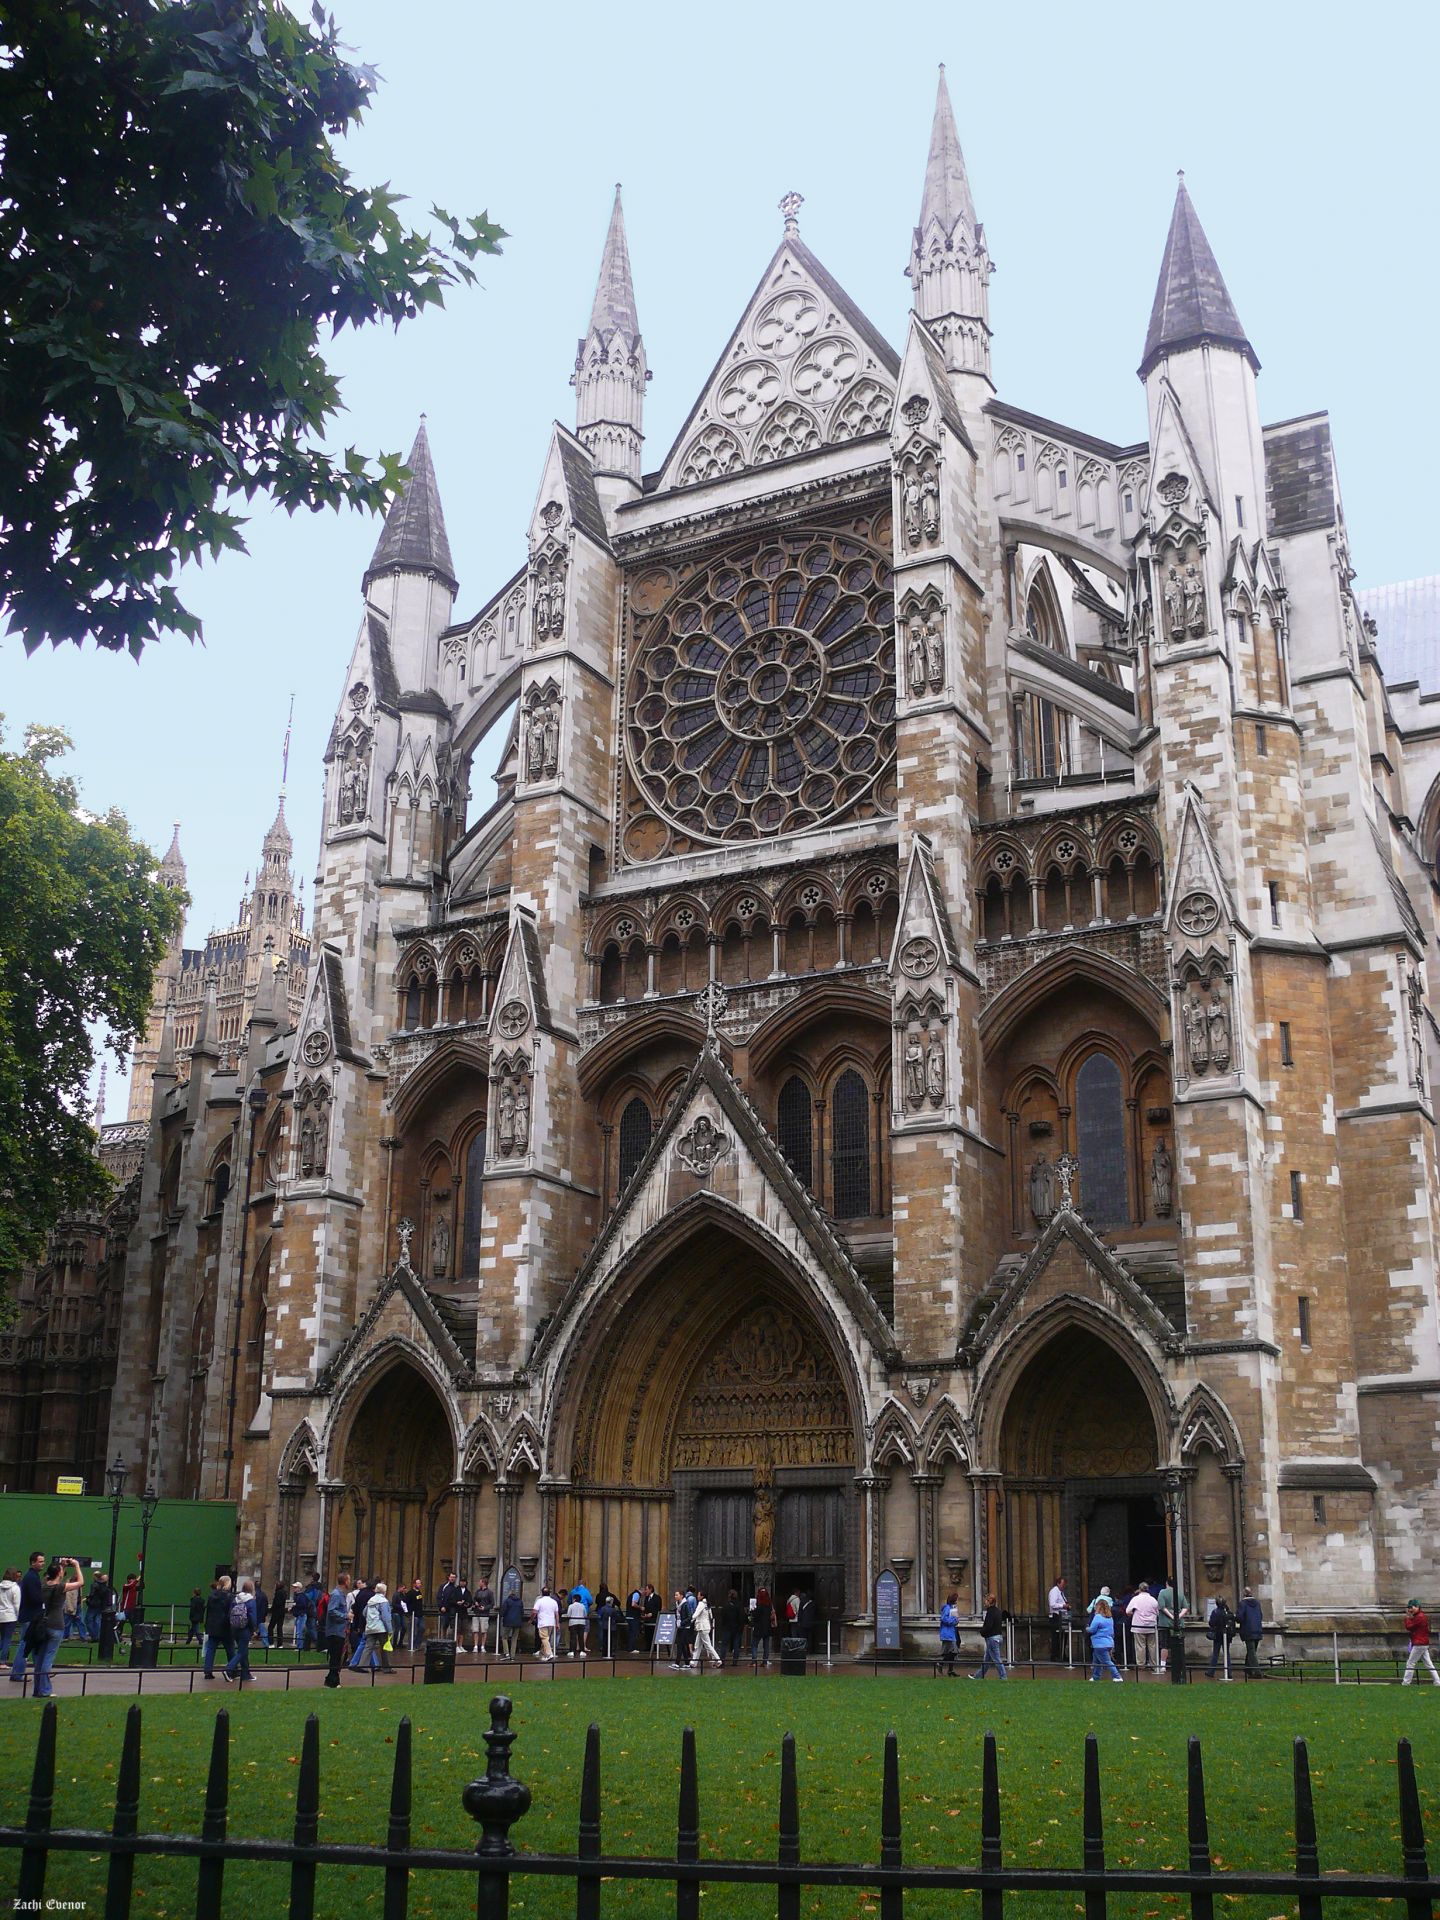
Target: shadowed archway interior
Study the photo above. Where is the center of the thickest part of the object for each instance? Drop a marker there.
(1080, 1489)
(398, 1518)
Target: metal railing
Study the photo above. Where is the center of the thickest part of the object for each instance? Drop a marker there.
(497, 1801)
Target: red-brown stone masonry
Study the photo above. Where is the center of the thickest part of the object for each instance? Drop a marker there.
(1216, 1146)
(1272, 826)
(1314, 1400)
(940, 1253)
(1401, 1434)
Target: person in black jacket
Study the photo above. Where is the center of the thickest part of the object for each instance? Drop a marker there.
(992, 1631)
(732, 1627)
(805, 1619)
(217, 1625)
(1220, 1626)
(197, 1618)
(277, 1614)
(32, 1605)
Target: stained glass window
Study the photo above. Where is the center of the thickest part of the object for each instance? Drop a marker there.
(797, 1136)
(636, 1129)
(850, 1135)
(1100, 1136)
(474, 1201)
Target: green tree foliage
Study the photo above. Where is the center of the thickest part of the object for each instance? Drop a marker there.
(84, 922)
(178, 241)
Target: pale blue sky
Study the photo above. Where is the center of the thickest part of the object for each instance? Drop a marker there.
(1306, 133)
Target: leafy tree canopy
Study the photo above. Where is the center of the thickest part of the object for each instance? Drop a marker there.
(178, 241)
(84, 922)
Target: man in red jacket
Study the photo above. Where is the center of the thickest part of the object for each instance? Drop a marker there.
(1418, 1628)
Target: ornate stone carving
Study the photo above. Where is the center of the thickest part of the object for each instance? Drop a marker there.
(1066, 1168)
(919, 957)
(1205, 1014)
(547, 592)
(765, 1396)
(750, 390)
(916, 410)
(920, 499)
(316, 1048)
(1173, 489)
(764, 1515)
(512, 1117)
(512, 1019)
(440, 1247)
(788, 323)
(1042, 1192)
(1197, 915)
(935, 1067)
(918, 1387)
(542, 732)
(935, 649)
(915, 655)
(405, 1232)
(1415, 1002)
(824, 370)
(352, 781)
(359, 694)
(914, 1069)
(1183, 592)
(1162, 1181)
(710, 1004)
(712, 454)
(312, 1129)
(702, 1145)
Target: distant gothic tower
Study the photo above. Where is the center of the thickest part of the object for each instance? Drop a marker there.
(923, 1063)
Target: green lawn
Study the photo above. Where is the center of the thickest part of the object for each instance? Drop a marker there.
(839, 1727)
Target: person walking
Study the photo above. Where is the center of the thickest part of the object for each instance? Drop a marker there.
(1170, 1618)
(277, 1614)
(46, 1630)
(482, 1612)
(1417, 1625)
(1101, 1629)
(244, 1618)
(1251, 1622)
(992, 1632)
(379, 1629)
(99, 1602)
(445, 1601)
(703, 1623)
(337, 1622)
(547, 1623)
(217, 1625)
(9, 1610)
(1058, 1606)
(262, 1614)
(684, 1628)
(762, 1627)
(196, 1629)
(512, 1619)
(607, 1626)
(1143, 1610)
(129, 1600)
(949, 1633)
(32, 1605)
(1220, 1628)
(732, 1628)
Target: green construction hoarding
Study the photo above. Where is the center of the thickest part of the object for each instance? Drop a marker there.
(189, 1539)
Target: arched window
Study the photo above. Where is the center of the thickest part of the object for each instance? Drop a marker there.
(474, 1205)
(221, 1188)
(636, 1131)
(796, 1128)
(1100, 1137)
(850, 1133)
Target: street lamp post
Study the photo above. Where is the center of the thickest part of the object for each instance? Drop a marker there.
(115, 1477)
(149, 1501)
(1178, 1674)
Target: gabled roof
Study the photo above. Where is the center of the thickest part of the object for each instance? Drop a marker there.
(414, 535)
(1192, 303)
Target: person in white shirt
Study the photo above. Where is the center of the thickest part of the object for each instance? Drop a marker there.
(703, 1626)
(1058, 1606)
(547, 1619)
(1143, 1610)
(577, 1618)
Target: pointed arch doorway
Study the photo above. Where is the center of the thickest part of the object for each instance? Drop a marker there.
(397, 1520)
(1079, 1491)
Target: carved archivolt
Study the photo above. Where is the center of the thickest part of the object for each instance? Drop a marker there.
(765, 1394)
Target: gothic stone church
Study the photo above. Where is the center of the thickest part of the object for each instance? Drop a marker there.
(924, 1062)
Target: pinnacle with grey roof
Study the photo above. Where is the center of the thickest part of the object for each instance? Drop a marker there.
(1192, 303)
(614, 308)
(413, 538)
(946, 199)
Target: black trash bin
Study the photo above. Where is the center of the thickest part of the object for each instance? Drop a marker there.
(793, 1655)
(145, 1643)
(439, 1663)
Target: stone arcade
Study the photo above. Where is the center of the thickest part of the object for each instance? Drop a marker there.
(924, 1063)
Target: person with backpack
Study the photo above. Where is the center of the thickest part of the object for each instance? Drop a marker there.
(512, 1619)
(244, 1618)
(379, 1626)
(949, 1633)
(217, 1625)
(1220, 1626)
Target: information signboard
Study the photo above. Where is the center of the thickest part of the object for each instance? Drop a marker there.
(69, 1483)
(665, 1630)
(887, 1613)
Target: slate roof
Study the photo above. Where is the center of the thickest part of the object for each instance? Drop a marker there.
(1192, 303)
(414, 533)
(580, 485)
(1407, 615)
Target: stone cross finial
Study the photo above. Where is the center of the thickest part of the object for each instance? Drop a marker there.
(710, 1004)
(405, 1230)
(790, 205)
(1066, 1168)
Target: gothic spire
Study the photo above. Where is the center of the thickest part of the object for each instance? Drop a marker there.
(1192, 303)
(413, 539)
(172, 867)
(278, 839)
(950, 264)
(610, 370)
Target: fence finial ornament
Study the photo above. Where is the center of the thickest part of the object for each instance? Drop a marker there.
(497, 1800)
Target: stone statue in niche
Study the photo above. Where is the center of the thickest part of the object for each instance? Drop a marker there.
(535, 748)
(915, 654)
(910, 506)
(935, 1068)
(914, 1069)
(1194, 599)
(935, 650)
(440, 1247)
(505, 1119)
(549, 614)
(404, 1232)
(354, 789)
(1174, 605)
(1197, 1034)
(307, 1147)
(1042, 1190)
(764, 1522)
(1162, 1181)
(522, 1113)
(1217, 1024)
(1415, 995)
(550, 734)
(930, 501)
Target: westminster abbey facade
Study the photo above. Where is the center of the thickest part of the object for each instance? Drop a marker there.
(926, 1061)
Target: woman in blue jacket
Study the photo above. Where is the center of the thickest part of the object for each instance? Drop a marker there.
(1101, 1629)
(949, 1627)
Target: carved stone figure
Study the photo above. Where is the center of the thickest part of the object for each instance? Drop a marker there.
(1066, 1168)
(440, 1247)
(535, 748)
(764, 1525)
(361, 789)
(1042, 1203)
(1194, 599)
(930, 502)
(1174, 605)
(702, 1145)
(1415, 995)
(404, 1233)
(914, 1069)
(522, 1114)
(1162, 1181)
(910, 501)
(505, 1124)
(1217, 1022)
(935, 651)
(1197, 1034)
(935, 1068)
(550, 735)
(307, 1147)
(915, 654)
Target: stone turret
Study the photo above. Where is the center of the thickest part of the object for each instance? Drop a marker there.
(411, 580)
(610, 374)
(950, 265)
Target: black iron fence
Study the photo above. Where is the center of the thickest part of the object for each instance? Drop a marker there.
(497, 1801)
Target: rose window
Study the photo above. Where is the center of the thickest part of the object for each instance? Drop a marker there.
(762, 699)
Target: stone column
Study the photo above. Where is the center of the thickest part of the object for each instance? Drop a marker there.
(874, 1486)
(925, 1485)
